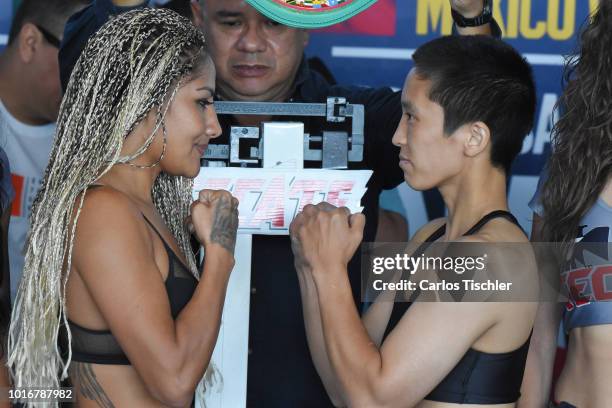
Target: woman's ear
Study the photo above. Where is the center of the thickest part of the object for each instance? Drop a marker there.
(478, 139)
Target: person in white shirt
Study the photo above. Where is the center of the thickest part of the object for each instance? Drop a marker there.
(30, 96)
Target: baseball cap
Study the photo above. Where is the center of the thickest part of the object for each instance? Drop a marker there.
(310, 13)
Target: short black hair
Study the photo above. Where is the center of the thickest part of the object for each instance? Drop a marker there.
(183, 7)
(49, 14)
(481, 78)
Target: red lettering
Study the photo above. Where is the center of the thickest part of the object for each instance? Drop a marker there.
(18, 182)
(271, 206)
(304, 190)
(336, 188)
(599, 285)
(244, 186)
(576, 282)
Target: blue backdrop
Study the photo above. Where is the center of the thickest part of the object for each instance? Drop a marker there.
(374, 49)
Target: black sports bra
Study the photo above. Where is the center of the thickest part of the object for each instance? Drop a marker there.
(100, 346)
(479, 377)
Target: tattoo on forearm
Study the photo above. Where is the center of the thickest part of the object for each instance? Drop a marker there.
(89, 386)
(225, 224)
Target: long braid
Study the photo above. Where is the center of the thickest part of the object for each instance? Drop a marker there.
(130, 67)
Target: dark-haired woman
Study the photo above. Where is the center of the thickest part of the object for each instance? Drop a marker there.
(432, 354)
(573, 210)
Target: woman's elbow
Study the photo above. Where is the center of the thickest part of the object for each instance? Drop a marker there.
(174, 381)
(174, 394)
(170, 387)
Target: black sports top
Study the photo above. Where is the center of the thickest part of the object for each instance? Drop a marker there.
(100, 346)
(479, 377)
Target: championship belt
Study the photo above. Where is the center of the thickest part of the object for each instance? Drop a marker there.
(310, 13)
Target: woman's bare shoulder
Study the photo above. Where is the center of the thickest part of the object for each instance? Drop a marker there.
(107, 217)
(498, 230)
(105, 204)
(426, 230)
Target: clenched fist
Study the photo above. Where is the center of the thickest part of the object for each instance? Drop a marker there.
(214, 219)
(324, 236)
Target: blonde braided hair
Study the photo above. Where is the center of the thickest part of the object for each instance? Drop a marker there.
(131, 66)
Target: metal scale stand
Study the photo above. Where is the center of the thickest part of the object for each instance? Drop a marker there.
(280, 145)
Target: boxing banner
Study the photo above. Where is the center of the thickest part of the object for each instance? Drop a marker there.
(270, 199)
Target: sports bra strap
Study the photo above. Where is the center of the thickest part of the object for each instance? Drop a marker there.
(169, 251)
(437, 233)
(155, 229)
(492, 215)
(481, 223)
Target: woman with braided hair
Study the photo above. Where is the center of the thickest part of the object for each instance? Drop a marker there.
(111, 294)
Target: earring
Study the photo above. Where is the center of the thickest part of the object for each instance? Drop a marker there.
(148, 166)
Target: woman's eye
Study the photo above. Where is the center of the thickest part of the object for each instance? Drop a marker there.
(409, 115)
(205, 103)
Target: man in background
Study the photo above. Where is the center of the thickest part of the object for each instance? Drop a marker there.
(30, 97)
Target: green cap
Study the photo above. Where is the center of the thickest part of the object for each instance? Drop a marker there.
(310, 13)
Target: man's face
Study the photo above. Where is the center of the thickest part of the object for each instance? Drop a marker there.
(48, 83)
(428, 157)
(36, 48)
(256, 58)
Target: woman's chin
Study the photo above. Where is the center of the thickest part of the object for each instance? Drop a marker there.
(416, 184)
(193, 173)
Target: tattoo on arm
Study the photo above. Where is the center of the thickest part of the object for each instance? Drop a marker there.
(89, 386)
(225, 224)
